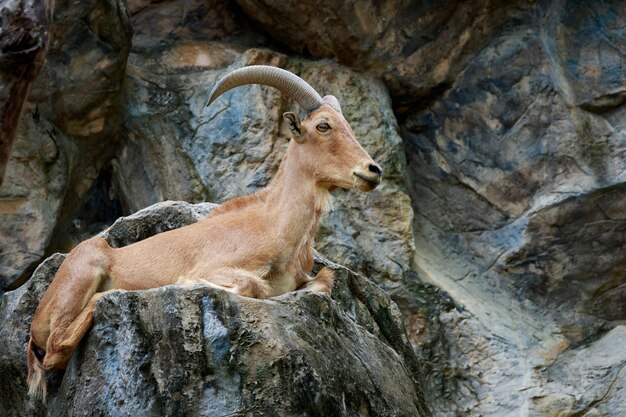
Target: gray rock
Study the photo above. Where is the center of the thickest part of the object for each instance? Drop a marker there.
(66, 133)
(201, 351)
(516, 176)
(417, 47)
(158, 22)
(80, 87)
(157, 218)
(29, 212)
(589, 381)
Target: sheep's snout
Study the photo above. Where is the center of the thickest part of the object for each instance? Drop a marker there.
(366, 179)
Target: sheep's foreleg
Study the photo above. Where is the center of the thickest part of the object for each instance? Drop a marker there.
(323, 282)
(60, 347)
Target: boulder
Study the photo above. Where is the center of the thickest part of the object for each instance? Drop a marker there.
(202, 351)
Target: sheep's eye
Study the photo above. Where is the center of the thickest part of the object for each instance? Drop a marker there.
(323, 127)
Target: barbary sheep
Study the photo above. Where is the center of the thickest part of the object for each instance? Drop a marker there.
(260, 245)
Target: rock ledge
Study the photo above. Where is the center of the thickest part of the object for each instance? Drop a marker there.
(201, 351)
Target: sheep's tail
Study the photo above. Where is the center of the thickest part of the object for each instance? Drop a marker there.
(36, 374)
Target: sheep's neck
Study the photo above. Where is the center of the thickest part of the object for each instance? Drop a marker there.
(296, 203)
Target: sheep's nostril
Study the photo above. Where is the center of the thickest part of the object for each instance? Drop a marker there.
(375, 169)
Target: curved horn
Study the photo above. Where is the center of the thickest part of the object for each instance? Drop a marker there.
(290, 84)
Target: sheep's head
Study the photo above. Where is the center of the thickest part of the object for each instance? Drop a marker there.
(324, 138)
(335, 156)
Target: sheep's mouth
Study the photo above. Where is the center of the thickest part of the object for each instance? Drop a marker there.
(367, 183)
(374, 180)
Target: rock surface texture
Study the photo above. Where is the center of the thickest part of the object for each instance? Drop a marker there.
(66, 134)
(198, 351)
(24, 34)
(499, 228)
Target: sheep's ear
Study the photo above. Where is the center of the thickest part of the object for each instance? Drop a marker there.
(293, 122)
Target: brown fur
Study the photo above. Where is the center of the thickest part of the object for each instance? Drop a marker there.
(257, 246)
(36, 374)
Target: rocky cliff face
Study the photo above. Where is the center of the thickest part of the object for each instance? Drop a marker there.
(499, 229)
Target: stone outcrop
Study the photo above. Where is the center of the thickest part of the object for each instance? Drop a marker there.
(192, 351)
